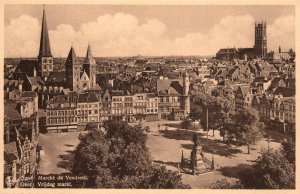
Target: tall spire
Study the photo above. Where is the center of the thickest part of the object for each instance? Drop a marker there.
(89, 52)
(72, 59)
(45, 50)
(89, 56)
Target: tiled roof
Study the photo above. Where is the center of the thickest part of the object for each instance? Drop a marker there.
(259, 79)
(27, 66)
(274, 83)
(56, 77)
(87, 97)
(10, 152)
(245, 90)
(285, 92)
(170, 87)
(28, 94)
(10, 147)
(72, 59)
(10, 110)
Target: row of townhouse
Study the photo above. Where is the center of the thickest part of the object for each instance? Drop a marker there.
(74, 112)
(278, 111)
(21, 149)
(277, 108)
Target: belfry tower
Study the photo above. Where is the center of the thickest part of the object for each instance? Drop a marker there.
(73, 68)
(90, 67)
(260, 46)
(45, 58)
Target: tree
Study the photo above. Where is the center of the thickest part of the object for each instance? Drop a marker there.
(218, 110)
(186, 124)
(195, 115)
(119, 158)
(103, 82)
(273, 171)
(224, 184)
(246, 129)
(288, 150)
(91, 153)
(159, 177)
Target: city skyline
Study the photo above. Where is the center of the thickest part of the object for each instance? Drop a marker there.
(146, 30)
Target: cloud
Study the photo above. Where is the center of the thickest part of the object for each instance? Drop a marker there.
(282, 32)
(123, 34)
(21, 37)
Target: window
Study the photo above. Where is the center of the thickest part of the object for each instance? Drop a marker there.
(26, 169)
(161, 99)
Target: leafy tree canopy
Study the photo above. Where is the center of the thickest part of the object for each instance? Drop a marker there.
(119, 158)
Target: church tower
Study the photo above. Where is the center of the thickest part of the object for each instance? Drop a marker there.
(72, 67)
(45, 58)
(260, 46)
(186, 96)
(89, 67)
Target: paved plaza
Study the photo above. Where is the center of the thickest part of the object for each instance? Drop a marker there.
(165, 147)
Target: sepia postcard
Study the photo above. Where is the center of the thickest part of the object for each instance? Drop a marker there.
(193, 96)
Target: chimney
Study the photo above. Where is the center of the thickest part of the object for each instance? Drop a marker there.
(20, 87)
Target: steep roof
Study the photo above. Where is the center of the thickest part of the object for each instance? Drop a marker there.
(274, 83)
(29, 94)
(89, 56)
(11, 111)
(290, 82)
(169, 87)
(245, 90)
(10, 152)
(87, 97)
(45, 50)
(285, 92)
(35, 80)
(259, 79)
(72, 59)
(27, 66)
(56, 77)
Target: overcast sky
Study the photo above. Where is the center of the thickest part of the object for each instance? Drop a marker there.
(127, 30)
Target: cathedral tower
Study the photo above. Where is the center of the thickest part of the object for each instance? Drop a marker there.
(90, 67)
(72, 67)
(260, 46)
(45, 58)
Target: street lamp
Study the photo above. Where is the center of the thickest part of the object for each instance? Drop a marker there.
(206, 122)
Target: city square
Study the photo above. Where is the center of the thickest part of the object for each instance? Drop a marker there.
(165, 147)
(150, 97)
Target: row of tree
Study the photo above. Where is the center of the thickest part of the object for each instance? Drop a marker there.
(119, 158)
(237, 126)
(274, 169)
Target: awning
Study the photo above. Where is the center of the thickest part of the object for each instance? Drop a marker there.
(51, 128)
(72, 127)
